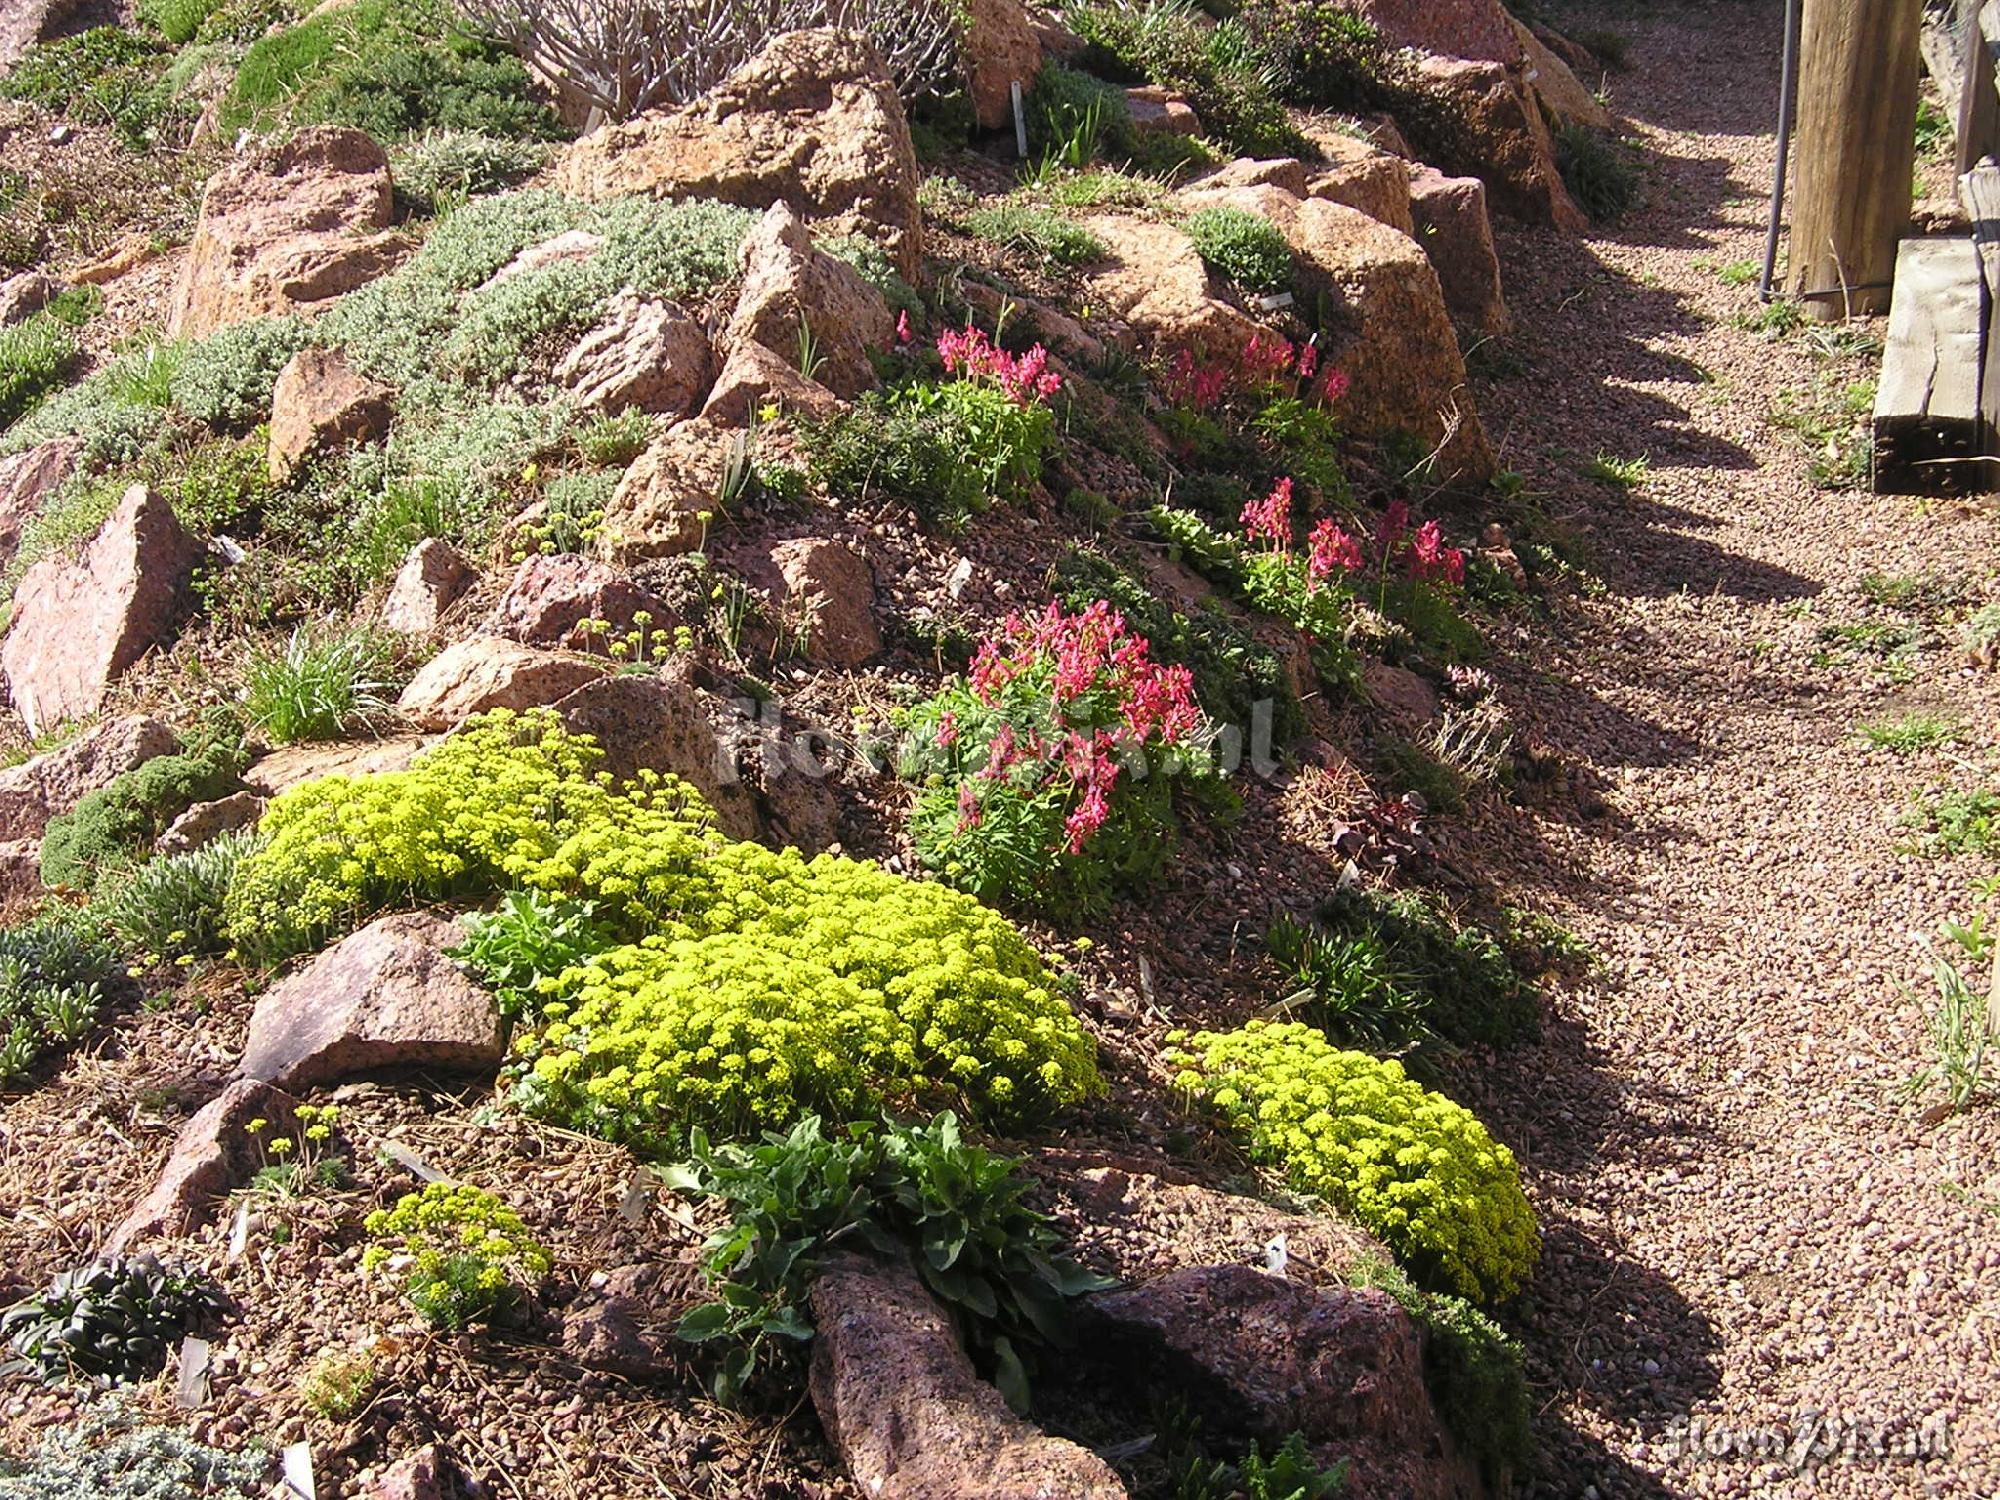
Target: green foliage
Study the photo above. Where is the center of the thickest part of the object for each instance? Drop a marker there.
(1349, 987)
(1475, 1372)
(172, 907)
(394, 68)
(1171, 43)
(871, 262)
(107, 1454)
(1906, 734)
(921, 1193)
(105, 409)
(1618, 473)
(111, 1322)
(225, 380)
(446, 167)
(1598, 171)
(1246, 248)
(470, 1257)
(339, 1384)
(1981, 636)
(1075, 118)
(767, 986)
(1950, 821)
(946, 451)
(1410, 1166)
(52, 971)
(613, 442)
(1239, 681)
(1316, 52)
(34, 356)
(117, 822)
(1041, 233)
(176, 20)
(107, 74)
(317, 684)
(520, 949)
(1960, 1028)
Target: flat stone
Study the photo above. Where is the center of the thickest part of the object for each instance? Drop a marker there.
(54, 782)
(486, 672)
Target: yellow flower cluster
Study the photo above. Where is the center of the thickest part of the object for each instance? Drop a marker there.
(1415, 1169)
(759, 985)
(469, 1254)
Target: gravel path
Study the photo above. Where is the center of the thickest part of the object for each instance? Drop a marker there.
(1745, 1224)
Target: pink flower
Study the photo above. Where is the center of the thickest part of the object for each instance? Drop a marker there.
(1431, 558)
(1395, 525)
(1308, 360)
(1333, 551)
(947, 730)
(1270, 519)
(1334, 386)
(971, 355)
(968, 807)
(903, 327)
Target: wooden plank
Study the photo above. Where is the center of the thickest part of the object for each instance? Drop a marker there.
(1856, 152)
(1979, 190)
(1977, 116)
(1928, 430)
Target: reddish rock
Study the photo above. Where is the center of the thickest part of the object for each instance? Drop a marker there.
(384, 998)
(487, 672)
(78, 623)
(206, 822)
(1497, 135)
(1457, 235)
(646, 353)
(792, 291)
(615, 1335)
(571, 247)
(662, 722)
(294, 765)
(900, 1403)
(427, 1474)
(1154, 279)
(657, 509)
(212, 1154)
(1479, 29)
(125, 255)
(27, 479)
(828, 595)
(1561, 93)
(1285, 172)
(550, 599)
(24, 294)
(38, 789)
(286, 229)
(754, 378)
(1001, 50)
(813, 120)
(432, 578)
(20, 874)
(1159, 111)
(1261, 1357)
(1360, 174)
(321, 404)
(1400, 693)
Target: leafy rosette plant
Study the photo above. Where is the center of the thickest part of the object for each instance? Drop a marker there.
(1050, 771)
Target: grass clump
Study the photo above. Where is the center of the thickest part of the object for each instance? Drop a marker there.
(1618, 473)
(34, 357)
(1214, 66)
(1907, 733)
(316, 685)
(1959, 1024)
(1246, 248)
(1037, 231)
(1409, 1165)
(1952, 821)
(1598, 171)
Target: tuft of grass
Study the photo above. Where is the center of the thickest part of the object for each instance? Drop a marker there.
(317, 684)
(1598, 171)
(1830, 421)
(1038, 231)
(1907, 733)
(1612, 48)
(1962, 1033)
(1738, 273)
(34, 356)
(1619, 473)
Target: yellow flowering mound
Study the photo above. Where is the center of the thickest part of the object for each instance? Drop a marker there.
(1412, 1167)
(758, 985)
(470, 1255)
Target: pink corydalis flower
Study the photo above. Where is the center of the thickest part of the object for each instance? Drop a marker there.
(1431, 559)
(903, 334)
(1334, 386)
(1270, 519)
(971, 355)
(1333, 551)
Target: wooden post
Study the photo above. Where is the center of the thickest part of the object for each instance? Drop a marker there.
(1856, 152)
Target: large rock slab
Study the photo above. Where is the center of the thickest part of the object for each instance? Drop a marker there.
(486, 672)
(321, 404)
(813, 120)
(54, 782)
(1496, 133)
(793, 291)
(385, 998)
(27, 479)
(1562, 94)
(1258, 1356)
(213, 1153)
(80, 622)
(902, 1406)
(287, 229)
(1154, 280)
(434, 576)
(1480, 29)
(646, 352)
(1361, 175)
(1001, 50)
(294, 765)
(827, 592)
(1457, 235)
(658, 507)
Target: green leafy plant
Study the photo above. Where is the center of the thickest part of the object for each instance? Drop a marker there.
(1347, 986)
(920, 1193)
(613, 442)
(34, 356)
(52, 972)
(1953, 821)
(176, 20)
(1981, 637)
(1598, 171)
(1246, 248)
(171, 908)
(1172, 43)
(106, 74)
(1830, 422)
(1906, 734)
(316, 685)
(1037, 231)
(339, 1384)
(1961, 1023)
(521, 947)
(448, 166)
(465, 1257)
(1411, 1166)
(292, 1163)
(108, 1453)
(225, 380)
(112, 826)
(111, 1322)
(1618, 473)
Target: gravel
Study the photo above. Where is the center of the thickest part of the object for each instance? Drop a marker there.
(1750, 1235)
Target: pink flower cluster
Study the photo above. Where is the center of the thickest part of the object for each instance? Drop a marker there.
(1266, 360)
(1026, 378)
(1084, 656)
(1331, 549)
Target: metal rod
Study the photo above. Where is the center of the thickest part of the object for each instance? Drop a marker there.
(1788, 95)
